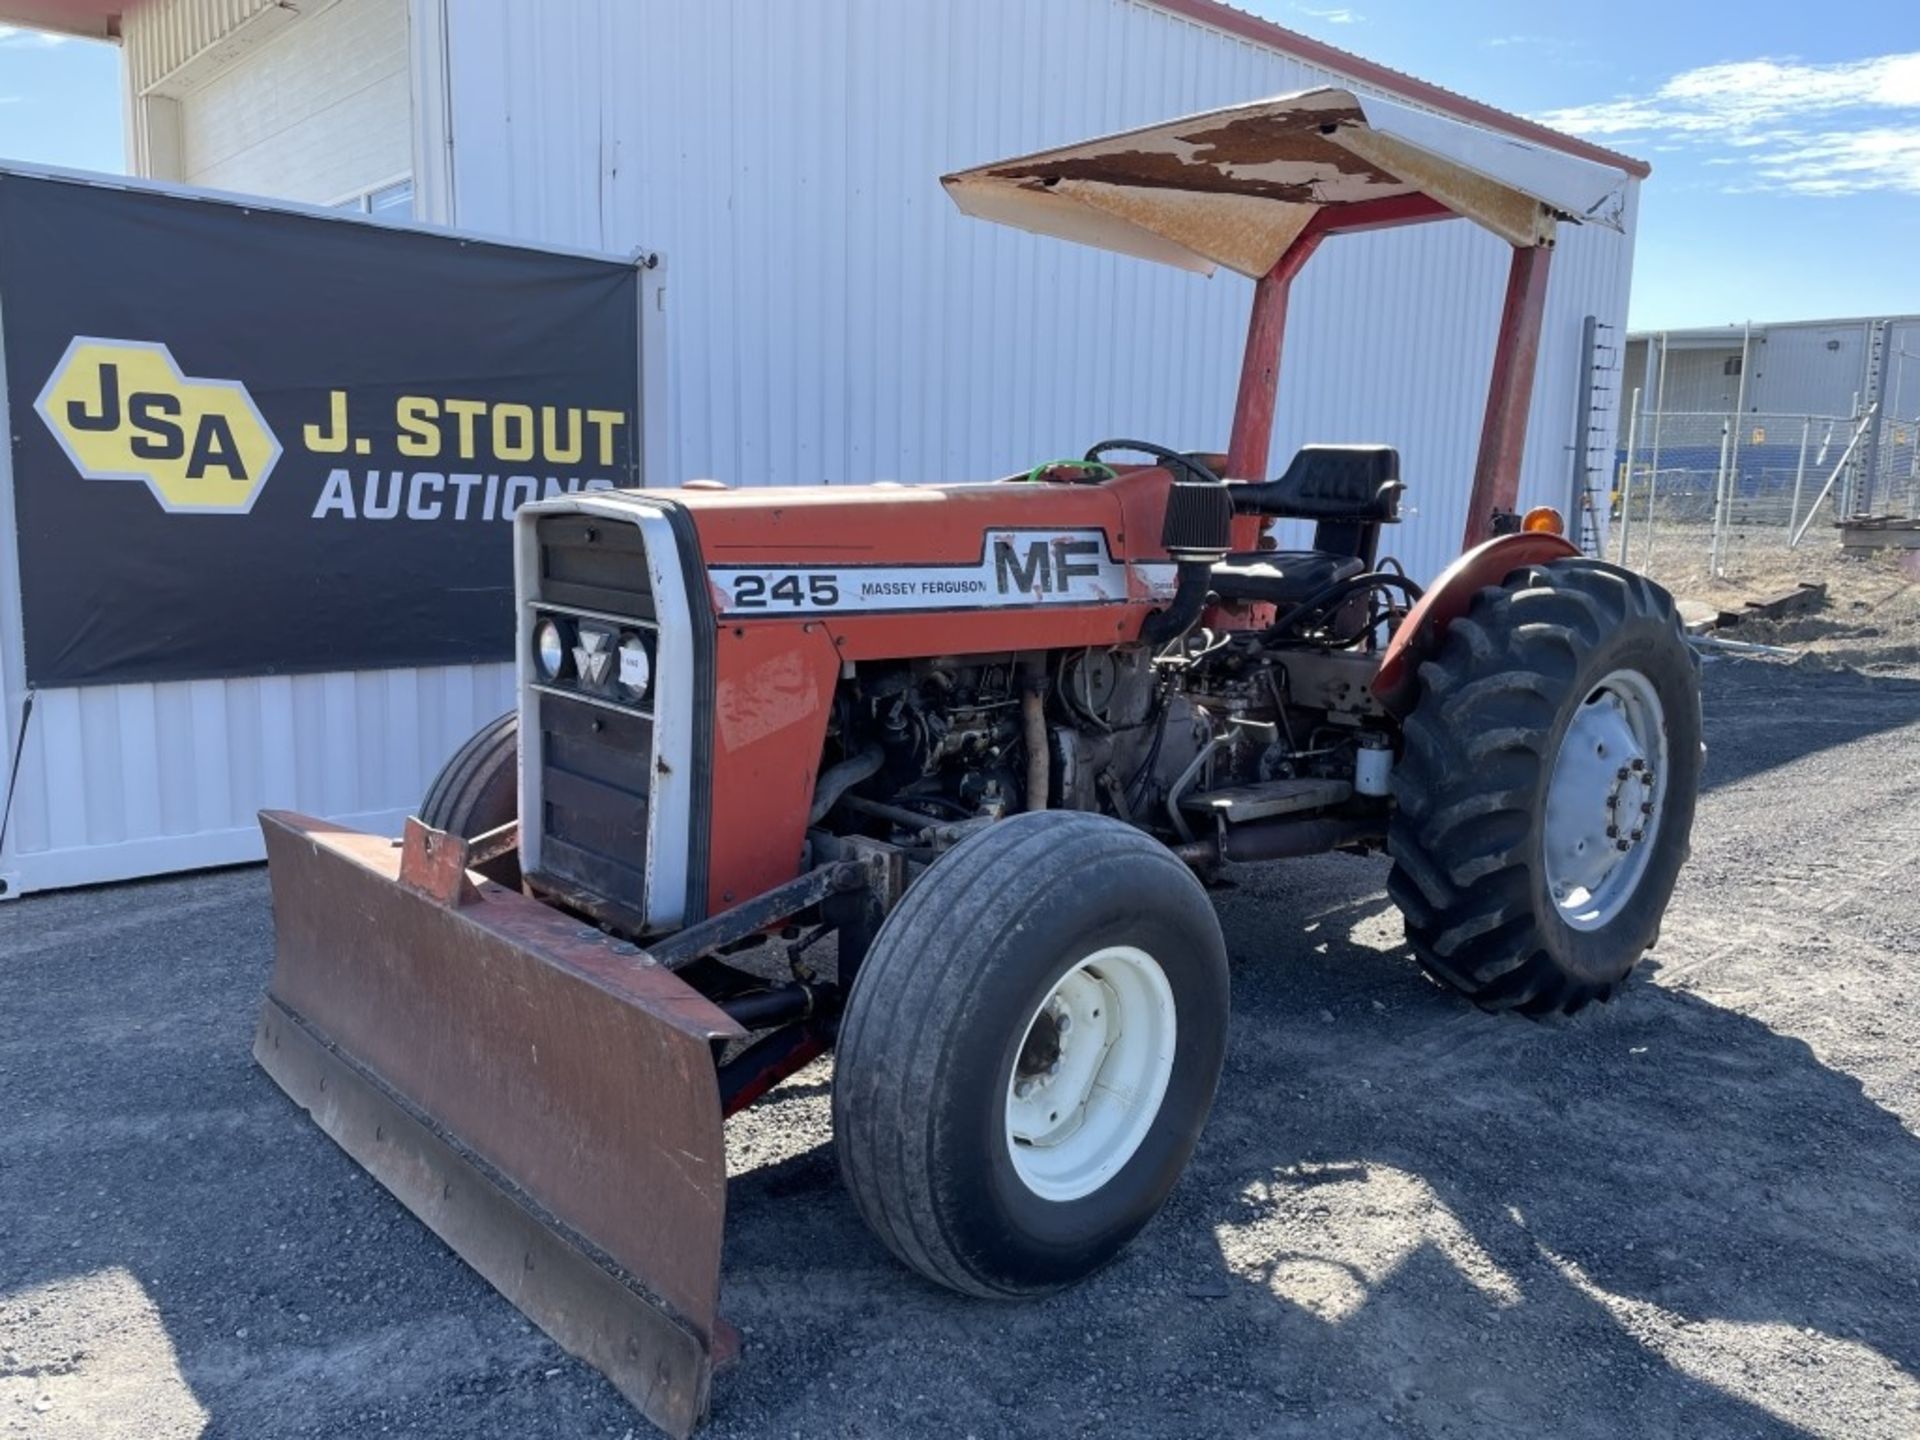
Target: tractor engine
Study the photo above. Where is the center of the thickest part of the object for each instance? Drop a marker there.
(931, 745)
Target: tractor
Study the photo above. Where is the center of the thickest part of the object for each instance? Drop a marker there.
(936, 778)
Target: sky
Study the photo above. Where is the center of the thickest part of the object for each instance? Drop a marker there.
(1784, 134)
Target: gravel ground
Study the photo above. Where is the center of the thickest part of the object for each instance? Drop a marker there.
(1692, 1212)
(1871, 619)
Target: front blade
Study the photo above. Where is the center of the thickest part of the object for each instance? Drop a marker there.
(549, 1107)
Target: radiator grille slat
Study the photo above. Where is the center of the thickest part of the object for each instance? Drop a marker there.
(596, 759)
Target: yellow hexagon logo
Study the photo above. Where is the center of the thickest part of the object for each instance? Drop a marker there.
(124, 410)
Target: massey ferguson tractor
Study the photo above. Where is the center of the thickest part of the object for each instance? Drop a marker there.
(935, 778)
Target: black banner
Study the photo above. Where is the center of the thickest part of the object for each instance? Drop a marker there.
(247, 442)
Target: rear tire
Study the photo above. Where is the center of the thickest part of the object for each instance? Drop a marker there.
(1055, 960)
(1545, 795)
(478, 790)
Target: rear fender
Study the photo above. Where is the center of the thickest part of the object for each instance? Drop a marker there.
(1397, 683)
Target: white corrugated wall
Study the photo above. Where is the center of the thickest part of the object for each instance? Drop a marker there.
(831, 317)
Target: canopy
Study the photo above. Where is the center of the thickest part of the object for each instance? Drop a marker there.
(1235, 187)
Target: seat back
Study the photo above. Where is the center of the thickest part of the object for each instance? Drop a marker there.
(1352, 490)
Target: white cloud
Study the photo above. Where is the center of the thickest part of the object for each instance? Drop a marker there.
(17, 37)
(1336, 15)
(1833, 129)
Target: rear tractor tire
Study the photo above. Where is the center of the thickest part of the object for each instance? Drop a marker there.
(478, 790)
(1545, 796)
(1029, 1053)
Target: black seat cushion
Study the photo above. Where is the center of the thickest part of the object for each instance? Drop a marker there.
(1330, 482)
(1281, 577)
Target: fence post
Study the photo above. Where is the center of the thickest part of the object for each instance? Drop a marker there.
(1626, 482)
(1799, 475)
(1653, 465)
(1719, 500)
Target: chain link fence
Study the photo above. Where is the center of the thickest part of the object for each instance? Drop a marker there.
(1722, 480)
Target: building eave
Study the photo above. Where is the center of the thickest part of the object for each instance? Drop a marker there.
(1393, 82)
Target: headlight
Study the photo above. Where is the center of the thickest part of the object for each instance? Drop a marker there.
(636, 666)
(549, 649)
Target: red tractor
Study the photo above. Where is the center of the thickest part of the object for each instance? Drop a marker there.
(992, 740)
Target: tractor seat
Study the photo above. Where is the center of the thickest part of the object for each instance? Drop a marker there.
(1356, 483)
(1281, 577)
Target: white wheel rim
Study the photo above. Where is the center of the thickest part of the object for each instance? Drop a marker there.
(1090, 1074)
(1606, 800)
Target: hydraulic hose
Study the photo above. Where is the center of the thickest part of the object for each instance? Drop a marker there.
(837, 779)
(1189, 599)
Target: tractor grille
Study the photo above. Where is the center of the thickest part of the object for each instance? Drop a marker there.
(596, 737)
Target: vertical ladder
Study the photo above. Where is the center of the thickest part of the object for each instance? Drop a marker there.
(1593, 438)
(1862, 479)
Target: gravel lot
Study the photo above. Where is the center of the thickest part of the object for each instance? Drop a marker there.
(1695, 1212)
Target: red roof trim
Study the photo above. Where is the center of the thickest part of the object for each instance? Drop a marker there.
(1344, 62)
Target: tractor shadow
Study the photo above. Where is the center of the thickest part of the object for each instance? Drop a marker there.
(1660, 1216)
(1785, 712)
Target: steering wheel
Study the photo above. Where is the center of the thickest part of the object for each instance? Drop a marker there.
(1195, 468)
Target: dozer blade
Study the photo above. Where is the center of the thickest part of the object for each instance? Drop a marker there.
(544, 1099)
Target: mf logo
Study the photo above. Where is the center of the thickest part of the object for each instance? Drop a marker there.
(1042, 566)
(122, 410)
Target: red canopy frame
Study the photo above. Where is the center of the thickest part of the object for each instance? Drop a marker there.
(1503, 432)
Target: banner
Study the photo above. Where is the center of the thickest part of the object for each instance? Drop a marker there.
(247, 442)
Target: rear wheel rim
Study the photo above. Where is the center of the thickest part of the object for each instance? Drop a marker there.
(1094, 1064)
(1606, 800)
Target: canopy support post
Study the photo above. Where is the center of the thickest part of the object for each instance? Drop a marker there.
(1503, 433)
(1247, 450)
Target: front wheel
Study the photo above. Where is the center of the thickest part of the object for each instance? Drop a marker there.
(477, 790)
(1029, 1053)
(1545, 796)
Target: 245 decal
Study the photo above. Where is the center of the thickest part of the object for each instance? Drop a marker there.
(1015, 568)
(755, 591)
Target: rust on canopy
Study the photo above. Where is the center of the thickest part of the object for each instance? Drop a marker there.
(1236, 186)
(1225, 159)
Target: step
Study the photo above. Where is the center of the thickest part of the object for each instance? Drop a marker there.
(1238, 804)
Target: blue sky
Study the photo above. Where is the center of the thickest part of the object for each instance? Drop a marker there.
(1784, 135)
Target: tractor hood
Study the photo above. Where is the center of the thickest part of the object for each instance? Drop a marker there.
(1235, 187)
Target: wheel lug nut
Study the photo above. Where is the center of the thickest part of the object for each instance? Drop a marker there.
(1622, 773)
(1637, 834)
(1646, 807)
(1064, 1023)
(1022, 1090)
(1053, 1069)
(1613, 831)
(1622, 844)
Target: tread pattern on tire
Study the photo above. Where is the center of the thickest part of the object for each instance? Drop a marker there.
(462, 782)
(913, 986)
(1472, 767)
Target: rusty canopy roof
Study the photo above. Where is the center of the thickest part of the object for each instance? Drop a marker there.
(1234, 187)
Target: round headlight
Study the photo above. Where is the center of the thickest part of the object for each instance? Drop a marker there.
(549, 649)
(636, 666)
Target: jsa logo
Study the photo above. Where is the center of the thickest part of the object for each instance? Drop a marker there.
(124, 410)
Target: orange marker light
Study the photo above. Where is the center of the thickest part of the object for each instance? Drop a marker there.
(1544, 520)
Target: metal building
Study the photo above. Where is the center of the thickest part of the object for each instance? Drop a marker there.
(1787, 393)
(829, 317)
(1796, 367)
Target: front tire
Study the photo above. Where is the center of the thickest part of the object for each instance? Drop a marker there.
(1545, 796)
(477, 790)
(1029, 1053)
